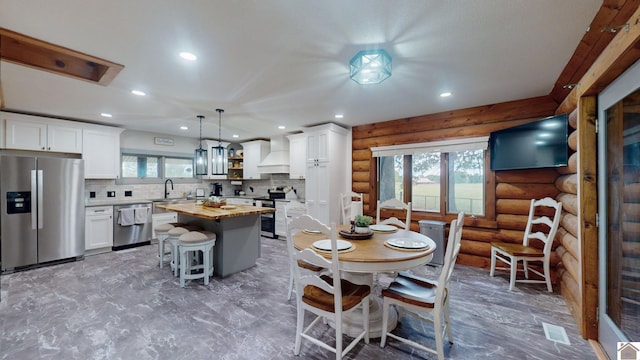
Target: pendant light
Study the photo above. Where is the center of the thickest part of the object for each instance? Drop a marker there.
(219, 154)
(200, 159)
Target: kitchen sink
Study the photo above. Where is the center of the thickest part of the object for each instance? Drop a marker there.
(157, 210)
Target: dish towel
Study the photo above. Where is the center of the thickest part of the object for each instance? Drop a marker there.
(141, 215)
(126, 217)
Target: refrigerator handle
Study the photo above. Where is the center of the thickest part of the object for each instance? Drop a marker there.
(34, 201)
(40, 196)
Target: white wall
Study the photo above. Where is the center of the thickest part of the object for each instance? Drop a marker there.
(140, 140)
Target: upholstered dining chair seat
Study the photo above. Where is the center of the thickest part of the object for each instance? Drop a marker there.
(352, 295)
(305, 265)
(412, 291)
(518, 249)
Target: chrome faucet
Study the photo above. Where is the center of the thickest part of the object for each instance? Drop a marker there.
(166, 193)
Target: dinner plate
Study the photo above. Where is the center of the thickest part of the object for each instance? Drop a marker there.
(407, 243)
(307, 231)
(326, 245)
(383, 227)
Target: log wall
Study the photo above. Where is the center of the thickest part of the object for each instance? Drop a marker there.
(507, 216)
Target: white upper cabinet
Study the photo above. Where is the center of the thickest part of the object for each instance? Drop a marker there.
(101, 152)
(27, 132)
(297, 156)
(254, 153)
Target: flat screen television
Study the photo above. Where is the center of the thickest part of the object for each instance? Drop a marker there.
(538, 144)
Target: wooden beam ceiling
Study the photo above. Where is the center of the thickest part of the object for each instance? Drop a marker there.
(25, 50)
(611, 15)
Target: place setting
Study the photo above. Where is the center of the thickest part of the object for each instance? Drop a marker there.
(383, 228)
(325, 246)
(406, 244)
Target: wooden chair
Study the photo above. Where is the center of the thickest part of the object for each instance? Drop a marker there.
(327, 296)
(394, 204)
(350, 208)
(423, 298)
(512, 254)
(298, 208)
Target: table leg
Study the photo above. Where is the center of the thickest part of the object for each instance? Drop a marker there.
(352, 322)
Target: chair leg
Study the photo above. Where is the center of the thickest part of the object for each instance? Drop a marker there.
(205, 268)
(183, 268)
(525, 267)
(290, 281)
(160, 250)
(338, 323)
(514, 270)
(365, 319)
(547, 276)
(493, 262)
(385, 321)
(299, 324)
(437, 329)
(447, 322)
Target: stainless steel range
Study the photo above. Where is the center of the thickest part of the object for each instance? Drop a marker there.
(268, 220)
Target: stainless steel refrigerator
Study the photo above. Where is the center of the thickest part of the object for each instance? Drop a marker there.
(42, 210)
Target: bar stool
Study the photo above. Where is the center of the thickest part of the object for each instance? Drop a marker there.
(162, 233)
(195, 241)
(174, 234)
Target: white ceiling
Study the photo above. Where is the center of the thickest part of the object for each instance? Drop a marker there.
(286, 62)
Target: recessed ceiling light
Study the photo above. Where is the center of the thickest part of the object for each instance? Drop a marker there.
(445, 94)
(138, 92)
(188, 56)
(106, 115)
(235, 136)
(184, 127)
(282, 127)
(339, 116)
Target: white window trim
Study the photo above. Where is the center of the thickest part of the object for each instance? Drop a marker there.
(474, 143)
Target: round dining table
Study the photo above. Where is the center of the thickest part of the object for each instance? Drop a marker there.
(364, 259)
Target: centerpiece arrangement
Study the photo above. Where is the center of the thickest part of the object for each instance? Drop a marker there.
(361, 224)
(359, 228)
(214, 201)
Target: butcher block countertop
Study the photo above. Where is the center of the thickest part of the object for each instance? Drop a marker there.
(212, 213)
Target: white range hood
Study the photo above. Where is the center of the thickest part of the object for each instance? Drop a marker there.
(277, 162)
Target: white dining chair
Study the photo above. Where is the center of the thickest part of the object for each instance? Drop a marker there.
(511, 254)
(351, 205)
(326, 296)
(297, 208)
(394, 204)
(425, 298)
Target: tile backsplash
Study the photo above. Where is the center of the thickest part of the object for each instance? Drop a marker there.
(156, 191)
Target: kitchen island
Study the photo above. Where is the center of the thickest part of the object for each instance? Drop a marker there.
(237, 231)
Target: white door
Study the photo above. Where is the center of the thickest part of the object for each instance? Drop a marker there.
(619, 211)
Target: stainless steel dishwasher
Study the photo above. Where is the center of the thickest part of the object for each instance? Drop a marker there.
(132, 225)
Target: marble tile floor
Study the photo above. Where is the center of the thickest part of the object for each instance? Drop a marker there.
(120, 305)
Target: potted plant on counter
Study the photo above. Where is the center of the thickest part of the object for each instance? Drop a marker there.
(361, 223)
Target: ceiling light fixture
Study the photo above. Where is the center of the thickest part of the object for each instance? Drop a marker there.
(339, 116)
(370, 67)
(106, 115)
(282, 127)
(188, 56)
(200, 156)
(138, 92)
(185, 128)
(445, 94)
(235, 136)
(219, 155)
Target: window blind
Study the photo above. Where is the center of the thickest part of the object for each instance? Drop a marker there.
(475, 143)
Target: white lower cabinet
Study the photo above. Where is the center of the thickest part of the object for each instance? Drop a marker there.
(162, 218)
(98, 233)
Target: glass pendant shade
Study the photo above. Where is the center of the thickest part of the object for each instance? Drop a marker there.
(200, 158)
(200, 161)
(370, 67)
(219, 153)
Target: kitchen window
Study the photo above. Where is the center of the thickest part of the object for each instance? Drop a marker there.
(438, 177)
(152, 168)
